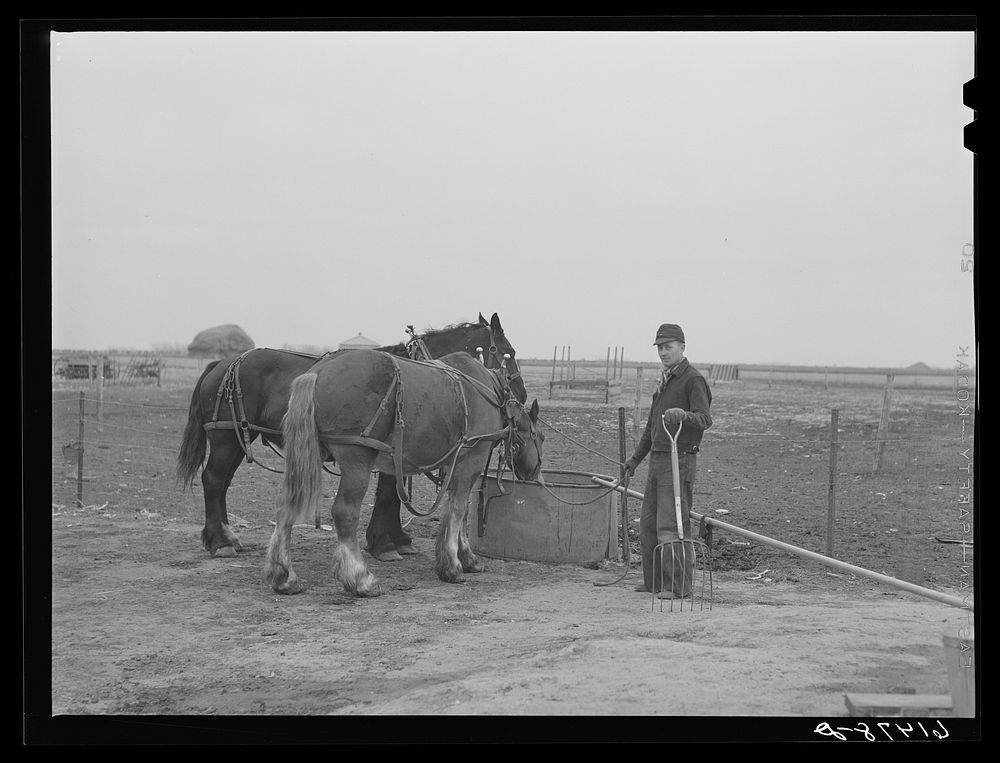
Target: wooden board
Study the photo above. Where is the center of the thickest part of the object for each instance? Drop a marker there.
(891, 705)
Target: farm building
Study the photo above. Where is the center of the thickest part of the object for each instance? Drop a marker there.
(358, 342)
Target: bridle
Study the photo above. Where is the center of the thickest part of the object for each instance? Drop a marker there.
(501, 360)
(515, 441)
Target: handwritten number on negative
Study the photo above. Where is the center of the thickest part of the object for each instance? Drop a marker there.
(840, 732)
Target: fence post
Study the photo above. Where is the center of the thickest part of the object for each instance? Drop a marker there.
(100, 393)
(883, 423)
(607, 363)
(638, 396)
(832, 500)
(622, 497)
(79, 458)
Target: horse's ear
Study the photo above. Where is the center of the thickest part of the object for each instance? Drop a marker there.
(495, 323)
(533, 413)
(482, 320)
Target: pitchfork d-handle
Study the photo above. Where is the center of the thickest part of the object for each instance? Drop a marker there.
(676, 468)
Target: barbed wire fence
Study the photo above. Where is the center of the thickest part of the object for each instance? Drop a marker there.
(104, 449)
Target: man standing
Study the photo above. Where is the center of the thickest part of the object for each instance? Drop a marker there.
(682, 398)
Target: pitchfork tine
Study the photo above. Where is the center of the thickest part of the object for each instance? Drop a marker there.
(679, 549)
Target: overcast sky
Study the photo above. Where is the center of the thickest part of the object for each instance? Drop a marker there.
(787, 197)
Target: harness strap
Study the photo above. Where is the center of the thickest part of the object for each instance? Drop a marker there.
(397, 455)
(353, 439)
(230, 383)
(234, 425)
(396, 383)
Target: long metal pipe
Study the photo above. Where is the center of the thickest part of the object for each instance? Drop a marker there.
(944, 598)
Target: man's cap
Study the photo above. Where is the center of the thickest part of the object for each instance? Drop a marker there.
(669, 332)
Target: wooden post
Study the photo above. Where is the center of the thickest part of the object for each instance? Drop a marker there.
(100, 393)
(638, 397)
(621, 368)
(79, 458)
(607, 364)
(623, 496)
(831, 510)
(769, 372)
(554, 348)
(571, 369)
(883, 423)
(562, 362)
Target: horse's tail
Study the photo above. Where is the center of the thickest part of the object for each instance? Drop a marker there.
(303, 483)
(193, 446)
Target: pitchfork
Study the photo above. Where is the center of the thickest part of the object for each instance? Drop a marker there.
(681, 545)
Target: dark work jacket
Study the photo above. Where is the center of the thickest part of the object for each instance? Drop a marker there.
(687, 389)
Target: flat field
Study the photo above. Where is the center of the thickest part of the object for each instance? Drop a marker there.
(145, 622)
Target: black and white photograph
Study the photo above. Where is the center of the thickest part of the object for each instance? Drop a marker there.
(561, 368)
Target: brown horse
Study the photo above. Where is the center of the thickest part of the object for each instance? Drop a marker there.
(240, 399)
(368, 410)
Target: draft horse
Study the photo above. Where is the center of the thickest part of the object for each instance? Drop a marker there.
(242, 398)
(368, 410)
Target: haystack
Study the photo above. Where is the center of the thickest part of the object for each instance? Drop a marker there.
(220, 341)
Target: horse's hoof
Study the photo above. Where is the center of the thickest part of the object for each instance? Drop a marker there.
(290, 588)
(371, 592)
(474, 567)
(452, 576)
(224, 552)
(407, 549)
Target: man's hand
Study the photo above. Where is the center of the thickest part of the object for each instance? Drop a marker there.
(674, 416)
(629, 469)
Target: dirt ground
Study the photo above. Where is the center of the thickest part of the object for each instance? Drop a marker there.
(145, 623)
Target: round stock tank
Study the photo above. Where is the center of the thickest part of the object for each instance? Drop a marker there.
(569, 520)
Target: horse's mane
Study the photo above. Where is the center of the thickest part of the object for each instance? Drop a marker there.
(452, 327)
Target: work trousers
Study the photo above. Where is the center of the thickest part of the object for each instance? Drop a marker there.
(658, 524)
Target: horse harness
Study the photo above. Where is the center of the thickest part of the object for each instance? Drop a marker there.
(499, 395)
(416, 349)
(232, 392)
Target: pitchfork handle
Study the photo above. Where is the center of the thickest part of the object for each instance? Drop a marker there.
(676, 468)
